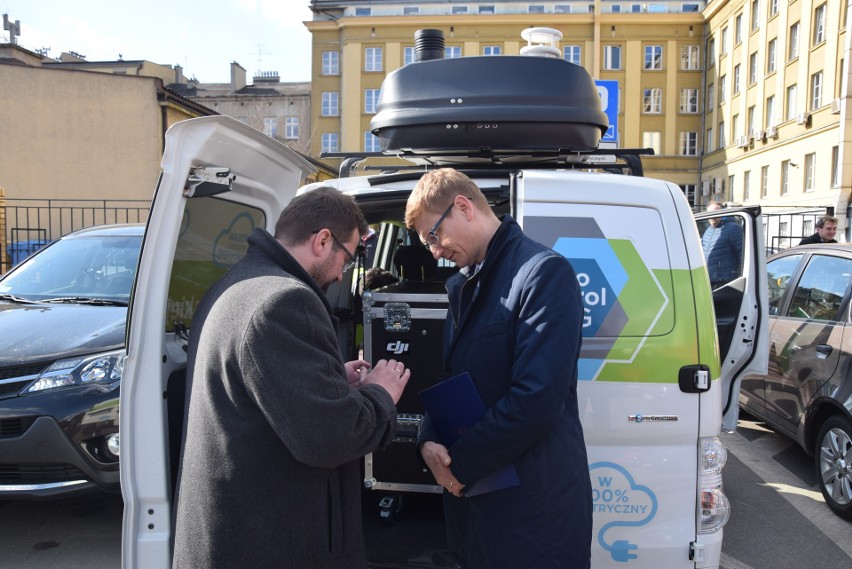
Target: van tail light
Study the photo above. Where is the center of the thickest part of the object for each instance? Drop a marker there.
(714, 507)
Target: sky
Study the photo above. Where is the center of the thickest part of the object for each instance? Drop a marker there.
(203, 36)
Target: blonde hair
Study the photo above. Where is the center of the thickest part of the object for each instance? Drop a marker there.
(437, 189)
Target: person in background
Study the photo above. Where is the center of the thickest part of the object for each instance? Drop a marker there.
(723, 248)
(826, 227)
(276, 422)
(514, 323)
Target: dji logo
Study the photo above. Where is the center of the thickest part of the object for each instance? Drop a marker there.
(398, 347)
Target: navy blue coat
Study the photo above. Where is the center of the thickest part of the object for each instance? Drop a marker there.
(516, 327)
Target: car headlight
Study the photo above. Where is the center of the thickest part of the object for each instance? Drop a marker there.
(99, 368)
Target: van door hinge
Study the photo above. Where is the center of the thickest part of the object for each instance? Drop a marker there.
(208, 181)
(696, 552)
(694, 378)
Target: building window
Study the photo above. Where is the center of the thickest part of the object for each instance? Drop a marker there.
(653, 57)
(738, 29)
(562, 9)
(752, 68)
(755, 14)
(785, 177)
(690, 58)
(723, 42)
(329, 142)
(689, 7)
(791, 102)
(371, 142)
(688, 144)
(689, 192)
(452, 51)
(711, 97)
(408, 55)
(330, 106)
(459, 9)
(819, 24)
(291, 128)
(723, 88)
(770, 111)
(535, 9)
(835, 166)
(486, 9)
(571, 53)
(810, 172)
(708, 142)
(373, 59)
(735, 126)
(615, 9)
(771, 48)
(773, 7)
(689, 101)
(491, 50)
(730, 194)
(793, 47)
(270, 126)
(652, 101)
(723, 140)
(750, 114)
(330, 63)
(612, 57)
(636, 8)
(711, 52)
(764, 181)
(736, 84)
(652, 140)
(816, 90)
(746, 185)
(371, 100)
(363, 12)
(411, 10)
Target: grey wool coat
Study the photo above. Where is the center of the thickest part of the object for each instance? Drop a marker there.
(270, 472)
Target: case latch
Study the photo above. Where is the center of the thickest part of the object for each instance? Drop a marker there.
(397, 317)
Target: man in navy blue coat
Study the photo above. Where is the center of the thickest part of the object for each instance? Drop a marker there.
(514, 323)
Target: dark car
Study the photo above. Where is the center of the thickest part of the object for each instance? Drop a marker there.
(63, 313)
(807, 393)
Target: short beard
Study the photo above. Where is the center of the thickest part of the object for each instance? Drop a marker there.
(319, 271)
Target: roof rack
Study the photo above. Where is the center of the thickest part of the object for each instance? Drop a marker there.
(612, 160)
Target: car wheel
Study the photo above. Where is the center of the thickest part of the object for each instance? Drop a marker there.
(834, 465)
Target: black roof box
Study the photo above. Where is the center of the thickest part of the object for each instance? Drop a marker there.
(483, 105)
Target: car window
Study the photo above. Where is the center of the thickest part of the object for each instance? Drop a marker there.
(101, 266)
(213, 237)
(821, 289)
(722, 243)
(779, 272)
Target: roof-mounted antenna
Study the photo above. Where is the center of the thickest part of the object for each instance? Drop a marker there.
(541, 42)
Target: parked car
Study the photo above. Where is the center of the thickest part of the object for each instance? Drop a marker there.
(62, 320)
(807, 392)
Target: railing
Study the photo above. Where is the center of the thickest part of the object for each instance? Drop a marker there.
(27, 225)
(786, 228)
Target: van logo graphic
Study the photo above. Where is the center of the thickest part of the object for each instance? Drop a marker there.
(619, 504)
(397, 347)
(639, 418)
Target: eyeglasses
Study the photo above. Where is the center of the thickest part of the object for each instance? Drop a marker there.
(432, 238)
(353, 258)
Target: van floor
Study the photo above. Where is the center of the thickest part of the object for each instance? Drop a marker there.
(413, 538)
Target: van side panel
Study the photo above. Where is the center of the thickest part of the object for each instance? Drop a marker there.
(629, 250)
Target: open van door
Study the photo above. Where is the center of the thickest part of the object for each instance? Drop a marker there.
(739, 298)
(220, 179)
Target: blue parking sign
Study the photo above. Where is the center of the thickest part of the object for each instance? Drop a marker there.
(608, 92)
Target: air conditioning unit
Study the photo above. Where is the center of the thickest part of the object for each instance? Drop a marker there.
(743, 141)
(835, 106)
(803, 118)
(772, 132)
(759, 134)
(705, 187)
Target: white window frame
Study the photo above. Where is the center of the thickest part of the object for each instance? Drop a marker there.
(819, 24)
(738, 29)
(492, 50)
(688, 143)
(535, 9)
(752, 68)
(330, 63)
(270, 126)
(689, 101)
(291, 128)
(810, 172)
(746, 185)
(371, 142)
(770, 111)
(573, 54)
(409, 55)
(690, 57)
(771, 55)
(371, 100)
(736, 79)
(458, 10)
(791, 96)
(653, 58)
(785, 178)
(612, 57)
(723, 88)
(330, 101)
(764, 181)
(452, 52)
(793, 43)
(329, 142)
(373, 59)
(652, 139)
(755, 15)
(816, 90)
(652, 100)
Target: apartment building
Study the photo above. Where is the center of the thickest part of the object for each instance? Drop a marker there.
(743, 101)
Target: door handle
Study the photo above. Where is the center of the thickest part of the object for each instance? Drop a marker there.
(823, 351)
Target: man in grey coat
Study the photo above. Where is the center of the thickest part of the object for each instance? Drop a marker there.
(276, 422)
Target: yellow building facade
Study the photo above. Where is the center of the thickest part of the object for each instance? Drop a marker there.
(693, 80)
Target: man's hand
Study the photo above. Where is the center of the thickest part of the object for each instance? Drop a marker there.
(356, 371)
(390, 374)
(438, 460)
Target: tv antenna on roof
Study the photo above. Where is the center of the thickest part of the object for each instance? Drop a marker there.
(260, 53)
(14, 28)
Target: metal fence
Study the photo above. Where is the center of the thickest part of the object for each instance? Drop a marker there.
(785, 229)
(27, 225)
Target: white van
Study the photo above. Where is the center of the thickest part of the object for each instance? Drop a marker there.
(653, 391)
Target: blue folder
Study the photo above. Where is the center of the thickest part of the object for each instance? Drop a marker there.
(454, 406)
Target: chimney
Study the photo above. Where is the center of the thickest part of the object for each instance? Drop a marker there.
(238, 77)
(179, 78)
